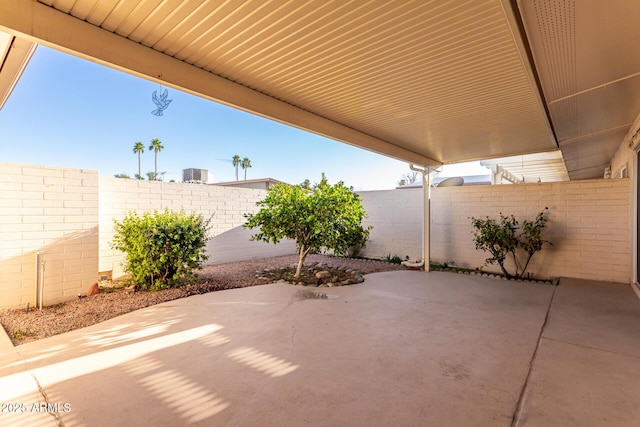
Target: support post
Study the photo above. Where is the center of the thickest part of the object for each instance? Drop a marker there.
(426, 217)
(426, 238)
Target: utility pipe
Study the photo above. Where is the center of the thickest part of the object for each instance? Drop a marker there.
(36, 283)
(40, 302)
(426, 217)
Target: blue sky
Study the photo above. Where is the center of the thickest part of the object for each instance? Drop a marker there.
(70, 112)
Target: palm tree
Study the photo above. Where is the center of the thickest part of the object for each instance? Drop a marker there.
(236, 163)
(138, 149)
(156, 146)
(246, 164)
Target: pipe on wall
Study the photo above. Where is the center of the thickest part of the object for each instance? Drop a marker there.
(426, 217)
(36, 283)
(41, 300)
(39, 281)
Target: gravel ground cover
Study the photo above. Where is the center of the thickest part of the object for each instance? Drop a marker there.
(23, 327)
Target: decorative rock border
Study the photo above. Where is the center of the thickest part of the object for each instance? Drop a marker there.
(324, 280)
(555, 281)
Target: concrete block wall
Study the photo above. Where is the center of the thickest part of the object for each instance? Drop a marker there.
(52, 211)
(67, 216)
(396, 217)
(589, 225)
(228, 205)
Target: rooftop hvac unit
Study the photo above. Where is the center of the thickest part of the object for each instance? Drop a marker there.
(199, 176)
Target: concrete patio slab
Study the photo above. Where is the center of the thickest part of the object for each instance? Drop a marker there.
(587, 368)
(596, 314)
(403, 349)
(573, 385)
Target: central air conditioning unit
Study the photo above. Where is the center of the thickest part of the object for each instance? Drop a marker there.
(196, 176)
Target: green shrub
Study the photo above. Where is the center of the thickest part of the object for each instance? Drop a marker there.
(506, 238)
(162, 249)
(394, 259)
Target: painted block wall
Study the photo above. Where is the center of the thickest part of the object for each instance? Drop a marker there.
(66, 215)
(396, 217)
(589, 225)
(230, 240)
(53, 211)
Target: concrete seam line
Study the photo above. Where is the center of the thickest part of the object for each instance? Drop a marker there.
(590, 347)
(515, 420)
(55, 415)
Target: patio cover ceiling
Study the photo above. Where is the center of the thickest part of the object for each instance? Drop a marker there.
(427, 82)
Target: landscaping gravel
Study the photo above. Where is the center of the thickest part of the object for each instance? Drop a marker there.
(23, 326)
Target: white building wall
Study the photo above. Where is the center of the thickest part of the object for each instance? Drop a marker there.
(589, 225)
(67, 216)
(54, 212)
(396, 216)
(228, 205)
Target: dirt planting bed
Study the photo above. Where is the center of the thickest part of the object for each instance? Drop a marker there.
(23, 326)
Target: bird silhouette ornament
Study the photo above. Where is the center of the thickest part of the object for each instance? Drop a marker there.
(161, 101)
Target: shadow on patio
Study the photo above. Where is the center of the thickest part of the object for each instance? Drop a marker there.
(404, 348)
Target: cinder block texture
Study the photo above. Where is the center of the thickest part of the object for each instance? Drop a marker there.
(66, 216)
(589, 225)
(396, 217)
(48, 233)
(226, 205)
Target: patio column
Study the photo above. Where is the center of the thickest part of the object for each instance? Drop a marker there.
(426, 217)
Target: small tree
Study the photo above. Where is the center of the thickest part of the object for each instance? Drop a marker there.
(409, 178)
(325, 217)
(504, 239)
(306, 184)
(162, 249)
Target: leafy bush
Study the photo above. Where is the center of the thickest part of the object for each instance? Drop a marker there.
(505, 238)
(323, 217)
(394, 259)
(162, 249)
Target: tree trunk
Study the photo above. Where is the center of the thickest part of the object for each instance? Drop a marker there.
(303, 255)
(526, 264)
(504, 270)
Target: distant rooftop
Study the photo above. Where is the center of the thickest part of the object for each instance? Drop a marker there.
(261, 183)
(468, 180)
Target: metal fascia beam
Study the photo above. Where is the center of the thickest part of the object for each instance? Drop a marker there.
(12, 64)
(518, 32)
(45, 25)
